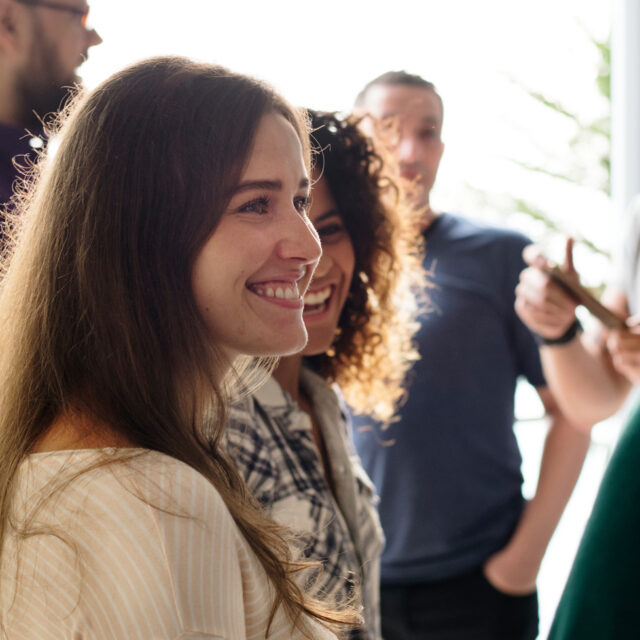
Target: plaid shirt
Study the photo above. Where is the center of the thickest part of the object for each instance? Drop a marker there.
(270, 439)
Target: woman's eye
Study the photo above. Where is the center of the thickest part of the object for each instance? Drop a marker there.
(259, 205)
(330, 230)
(302, 204)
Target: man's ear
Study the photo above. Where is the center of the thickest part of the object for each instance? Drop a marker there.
(8, 36)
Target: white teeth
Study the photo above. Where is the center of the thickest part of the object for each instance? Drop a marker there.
(318, 297)
(282, 293)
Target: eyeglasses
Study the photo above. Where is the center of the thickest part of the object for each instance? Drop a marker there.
(82, 13)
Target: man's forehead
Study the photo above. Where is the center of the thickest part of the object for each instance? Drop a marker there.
(385, 101)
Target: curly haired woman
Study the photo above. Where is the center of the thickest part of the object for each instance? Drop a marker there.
(290, 438)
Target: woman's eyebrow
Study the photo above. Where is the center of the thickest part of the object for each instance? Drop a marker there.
(328, 214)
(258, 185)
(265, 185)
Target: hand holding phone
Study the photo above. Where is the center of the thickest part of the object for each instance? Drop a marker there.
(582, 296)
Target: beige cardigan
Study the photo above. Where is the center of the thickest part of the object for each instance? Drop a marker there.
(144, 549)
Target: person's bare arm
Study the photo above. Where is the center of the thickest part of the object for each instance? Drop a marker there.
(585, 382)
(623, 347)
(514, 568)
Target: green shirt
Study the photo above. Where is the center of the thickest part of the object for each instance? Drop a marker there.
(602, 596)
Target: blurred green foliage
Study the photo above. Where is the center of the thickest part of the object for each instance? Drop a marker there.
(586, 132)
(586, 165)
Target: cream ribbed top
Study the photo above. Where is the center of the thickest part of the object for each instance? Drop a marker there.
(144, 549)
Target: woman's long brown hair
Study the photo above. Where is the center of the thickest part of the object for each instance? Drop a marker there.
(96, 306)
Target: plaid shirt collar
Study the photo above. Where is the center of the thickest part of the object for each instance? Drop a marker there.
(271, 441)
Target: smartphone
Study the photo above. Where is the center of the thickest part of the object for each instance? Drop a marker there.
(585, 298)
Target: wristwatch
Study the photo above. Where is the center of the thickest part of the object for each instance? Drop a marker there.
(574, 329)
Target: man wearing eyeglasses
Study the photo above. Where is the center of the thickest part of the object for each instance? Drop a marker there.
(42, 43)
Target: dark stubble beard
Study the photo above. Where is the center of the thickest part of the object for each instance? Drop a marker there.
(43, 89)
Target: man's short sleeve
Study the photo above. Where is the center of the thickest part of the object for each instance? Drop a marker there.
(525, 346)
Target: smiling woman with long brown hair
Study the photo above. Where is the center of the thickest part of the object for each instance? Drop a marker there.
(139, 274)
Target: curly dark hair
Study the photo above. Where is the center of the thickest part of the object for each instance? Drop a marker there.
(373, 348)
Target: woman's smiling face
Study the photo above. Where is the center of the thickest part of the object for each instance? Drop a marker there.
(332, 279)
(251, 275)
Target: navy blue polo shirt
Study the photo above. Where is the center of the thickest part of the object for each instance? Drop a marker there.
(448, 473)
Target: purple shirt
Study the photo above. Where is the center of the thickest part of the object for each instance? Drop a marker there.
(14, 141)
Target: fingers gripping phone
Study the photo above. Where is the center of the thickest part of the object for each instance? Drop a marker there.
(585, 298)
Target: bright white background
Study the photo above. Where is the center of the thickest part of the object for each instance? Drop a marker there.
(319, 54)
